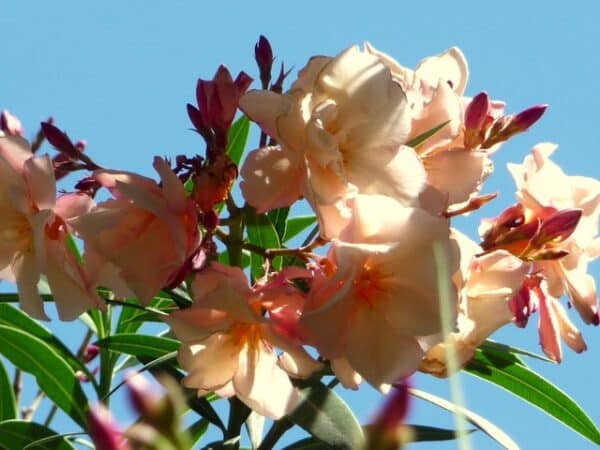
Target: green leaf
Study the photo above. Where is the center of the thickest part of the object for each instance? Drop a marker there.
(53, 375)
(483, 424)
(279, 219)
(490, 345)
(415, 142)
(224, 258)
(197, 429)
(422, 433)
(15, 318)
(8, 404)
(139, 345)
(531, 387)
(238, 137)
(261, 233)
(310, 443)
(297, 225)
(327, 417)
(131, 319)
(72, 246)
(18, 434)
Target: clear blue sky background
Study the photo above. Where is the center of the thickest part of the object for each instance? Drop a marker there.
(119, 73)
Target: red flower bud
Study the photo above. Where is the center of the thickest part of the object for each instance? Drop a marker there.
(263, 53)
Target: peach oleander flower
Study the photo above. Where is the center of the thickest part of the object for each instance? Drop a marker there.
(486, 284)
(33, 233)
(142, 239)
(341, 129)
(228, 346)
(369, 313)
(542, 185)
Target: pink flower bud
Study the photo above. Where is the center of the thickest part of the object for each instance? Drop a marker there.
(477, 111)
(557, 227)
(90, 352)
(143, 398)
(525, 119)
(59, 140)
(103, 431)
(263, 53)
(10, 124)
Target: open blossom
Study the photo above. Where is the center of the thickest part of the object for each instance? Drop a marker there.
(486, 284)
(227, 345)
(369, 312)
(33, 233)
(142, 239)
(544, 189)
(341, 129)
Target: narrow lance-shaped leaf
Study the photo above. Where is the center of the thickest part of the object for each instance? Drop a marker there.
(483, 424)
(279, 219)
(327, 417)
(15, 318)
(238, 137)
(21, 435)
(297, 225)
(531, 387)
(139, 345)
(418, 140)
(8, 405)
(261, 233)
(54, 376)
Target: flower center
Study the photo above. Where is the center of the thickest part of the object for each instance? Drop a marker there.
(368, 285)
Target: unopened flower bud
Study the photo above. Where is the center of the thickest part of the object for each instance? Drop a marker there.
(103, 431)
(143, 398)
(263, 53)
(90, 352)
(557, 227)
(525, 119)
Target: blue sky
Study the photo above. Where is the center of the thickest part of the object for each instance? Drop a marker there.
(119, 74)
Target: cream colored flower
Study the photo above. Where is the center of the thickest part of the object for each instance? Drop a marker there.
(543, 186)
(228, 346)
(486, 284)
(369, 314)
(341, 129)
(33, 233)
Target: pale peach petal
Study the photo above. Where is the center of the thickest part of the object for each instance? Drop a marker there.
(449, 67)
(396, 172)
(272, 178)
(568, 332)
(378, 352)
(211, 362)
(549, 330)
(15, 151)
(444, 107)
(457, 173)
(344, 372)
(72, 205)
(582, 292)
(27, 274)
(496, 274)
(172, 187)
(71, 291)
(261, 384)
(39, 175)
(263, 107)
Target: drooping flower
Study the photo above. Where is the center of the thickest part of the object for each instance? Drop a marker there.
(142, 239)
(228, 346)
(486, 284)
(34, 233)
(369, 313)
(341, 129)
(544, 189)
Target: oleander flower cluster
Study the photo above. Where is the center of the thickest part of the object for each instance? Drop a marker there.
(385, 157)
